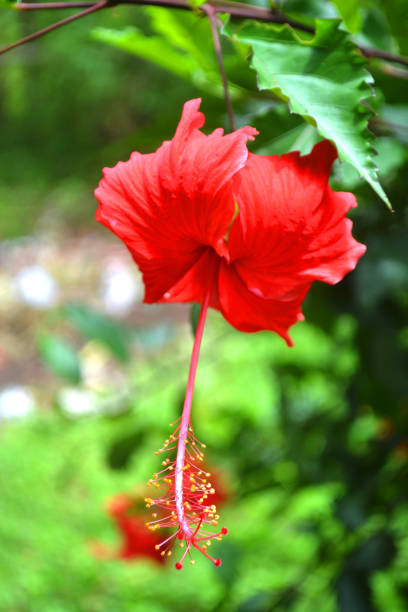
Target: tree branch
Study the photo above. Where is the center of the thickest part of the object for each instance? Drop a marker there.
(92, 9)
(235, 9)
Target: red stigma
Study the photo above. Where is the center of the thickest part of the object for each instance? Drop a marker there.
(178, 566)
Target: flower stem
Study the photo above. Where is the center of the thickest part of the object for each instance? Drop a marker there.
(212, 17)
(185, 420)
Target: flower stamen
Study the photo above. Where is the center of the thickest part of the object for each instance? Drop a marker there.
(182, 485)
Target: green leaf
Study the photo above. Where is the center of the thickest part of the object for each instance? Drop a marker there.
(323, 79)
(281, 132)
(152, 48)
(186, 32)
(181, 43)
(349, 11)
(392, 154)
(95, 326)
(60, 357)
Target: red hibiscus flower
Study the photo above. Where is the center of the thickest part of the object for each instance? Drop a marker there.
(136, 539)
(202, 214)
(206, 221)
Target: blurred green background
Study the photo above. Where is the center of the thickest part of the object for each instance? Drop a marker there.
(311, 442)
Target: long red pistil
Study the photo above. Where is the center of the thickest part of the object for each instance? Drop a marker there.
(183, 483)
(185, 419)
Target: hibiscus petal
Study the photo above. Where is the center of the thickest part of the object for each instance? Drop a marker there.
(194, 285)
(249, 312)
(154, 242)
(168, 205)
(332, 252)
(288, 219)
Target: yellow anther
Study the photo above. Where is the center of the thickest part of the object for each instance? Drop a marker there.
(157, 547)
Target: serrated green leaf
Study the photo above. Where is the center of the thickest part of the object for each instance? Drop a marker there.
(60, 357)
(323, 79)
(96, 326)
(350, 12)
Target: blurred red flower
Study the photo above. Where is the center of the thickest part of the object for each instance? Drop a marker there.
(129, 516)
(137, 540)
(202, 215)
